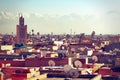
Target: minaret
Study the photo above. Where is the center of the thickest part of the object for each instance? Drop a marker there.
(21, 30)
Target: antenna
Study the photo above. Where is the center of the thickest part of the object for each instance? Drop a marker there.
(70, 31)
(20, 14)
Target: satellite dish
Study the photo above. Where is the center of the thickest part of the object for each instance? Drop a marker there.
(51, 63)
(72, 49)
(67, 68)
(95, 58)
(74, 73)
(78, 64)
(31, 56)
(63, 47)
(110, 60)
(8, 65)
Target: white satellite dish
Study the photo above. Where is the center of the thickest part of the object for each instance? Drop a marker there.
(72, 49)
(63, 47)
(95, 58)
(67, 68)
(74, 73)
(51, 63)
(78, 64)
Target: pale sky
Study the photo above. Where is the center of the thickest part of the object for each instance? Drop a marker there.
(60, 16)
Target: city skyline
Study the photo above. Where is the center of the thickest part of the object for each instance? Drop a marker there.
(61, 16)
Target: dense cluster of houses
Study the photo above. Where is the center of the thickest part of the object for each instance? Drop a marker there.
(50, 54)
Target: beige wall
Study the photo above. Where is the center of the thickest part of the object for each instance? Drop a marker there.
(6, 47)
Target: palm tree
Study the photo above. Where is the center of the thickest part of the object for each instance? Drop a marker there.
(33, 32)
(38, 33)
(93, 34)
(81, 36)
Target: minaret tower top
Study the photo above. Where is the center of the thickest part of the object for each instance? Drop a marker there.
(21, 19)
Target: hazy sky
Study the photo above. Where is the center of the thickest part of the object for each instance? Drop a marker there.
(62, 16)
